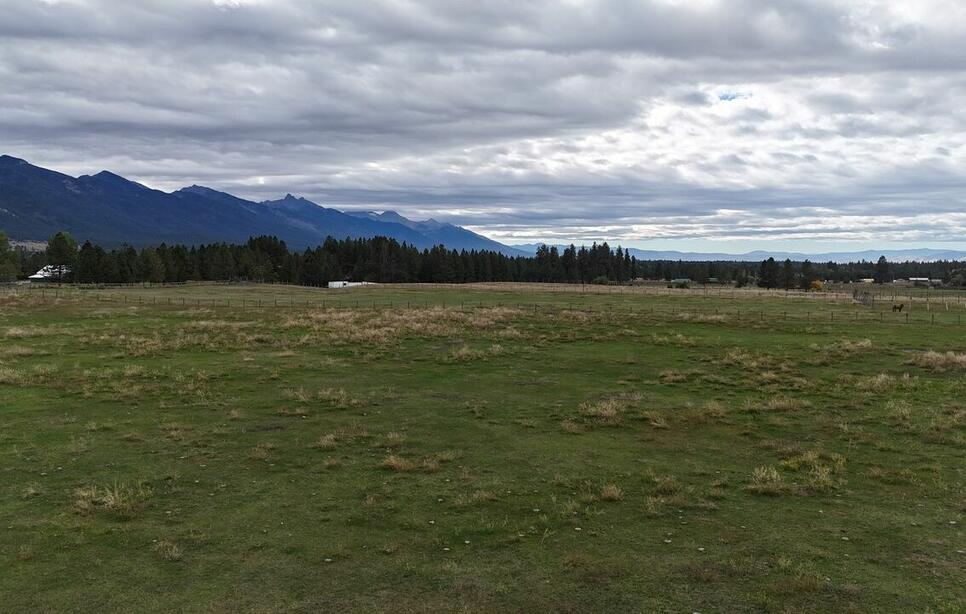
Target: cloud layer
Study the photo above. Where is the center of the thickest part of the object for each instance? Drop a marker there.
(527, 119)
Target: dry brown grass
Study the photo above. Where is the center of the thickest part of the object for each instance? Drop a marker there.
(845, 347)
(607, 412)
(780, 403)
(31, 490)
(572, 427)
(398, 464)
(611, 492)
(941, 361)
(326, 442)
(465, 353)
(673, 339)
(883, 382)
(123, 502)
(670, 376)
(12, 377)
(447, 456)
(338, 398)
(474, 498)
(167, 550)
(26, 332)
(766, 481)
(819, 468)
(297, 394)
(20, 351)
(262, 452)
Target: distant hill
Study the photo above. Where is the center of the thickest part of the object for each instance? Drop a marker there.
(110, 210)
(892, 255)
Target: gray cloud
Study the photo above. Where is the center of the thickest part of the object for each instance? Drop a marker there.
(619, 119)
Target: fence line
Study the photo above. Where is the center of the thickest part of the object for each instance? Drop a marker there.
(718, 314)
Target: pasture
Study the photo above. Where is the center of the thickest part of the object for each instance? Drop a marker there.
(225, 448)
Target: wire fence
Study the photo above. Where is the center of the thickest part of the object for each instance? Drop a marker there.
(857, 315)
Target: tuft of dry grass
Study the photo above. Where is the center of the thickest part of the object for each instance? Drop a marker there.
(663, 484)
(656, 420)
(12, 377)
(393, 439)
(611, 492)
(766, 481)
(941, 361)
(474, 498)
(167, 550)
(780, 403)
(261, 452)
(572, 427)
(20, 351)
(446, 456)
(398, 464)
(899, 411)
(674, 339)
(607, 412)
(121, 501)
(671, 376)
(298, 394)
(293, 412)
(465, 353)
(25, 332)
(31, 490)
(326, 442)
(338, 398)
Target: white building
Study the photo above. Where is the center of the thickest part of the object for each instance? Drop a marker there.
(50, 272)
(348, 284)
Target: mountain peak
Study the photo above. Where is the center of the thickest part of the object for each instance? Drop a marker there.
(5, 159)
(108, 175)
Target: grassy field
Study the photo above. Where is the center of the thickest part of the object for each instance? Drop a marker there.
(243, 448)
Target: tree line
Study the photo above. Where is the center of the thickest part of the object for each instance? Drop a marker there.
(380, 259)
(377, 259)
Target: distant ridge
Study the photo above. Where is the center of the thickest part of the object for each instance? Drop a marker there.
(892, 255)
(110, 210)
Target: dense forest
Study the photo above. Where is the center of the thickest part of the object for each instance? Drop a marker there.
(267, 259)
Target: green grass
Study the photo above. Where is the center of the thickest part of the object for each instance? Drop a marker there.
(516, 449)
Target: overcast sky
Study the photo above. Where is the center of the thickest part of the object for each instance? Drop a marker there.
(699, 124)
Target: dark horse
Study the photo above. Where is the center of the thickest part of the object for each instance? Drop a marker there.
(898, 307)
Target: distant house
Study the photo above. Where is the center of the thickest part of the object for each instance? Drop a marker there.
(51, 272)
(348, 284)
(919, 281)
(867, 280)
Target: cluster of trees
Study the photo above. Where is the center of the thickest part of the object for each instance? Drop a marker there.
(788, 274)
(376, 259)
(386, 260)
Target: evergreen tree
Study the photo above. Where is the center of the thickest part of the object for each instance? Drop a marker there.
(62, 254)
(788, 274)
(9, 263)
(807, 275)
(768, 274)
(882, 273)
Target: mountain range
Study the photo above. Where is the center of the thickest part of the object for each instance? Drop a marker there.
(892, 255)
(110, 210)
